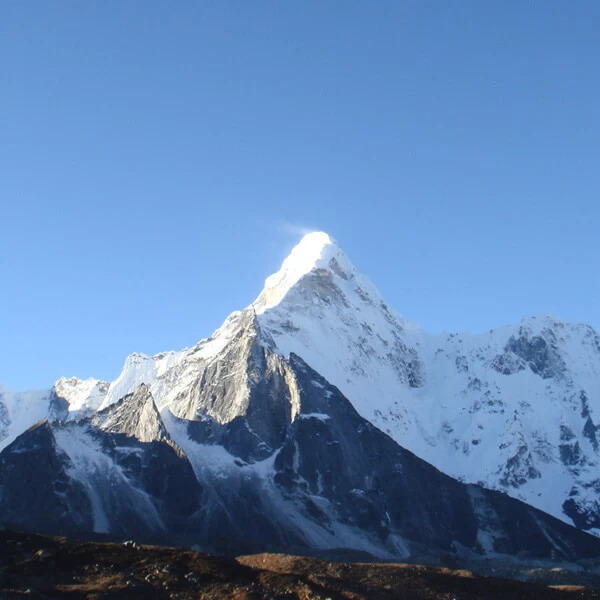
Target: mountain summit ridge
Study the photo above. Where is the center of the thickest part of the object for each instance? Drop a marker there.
(516, 409)
(315, 251)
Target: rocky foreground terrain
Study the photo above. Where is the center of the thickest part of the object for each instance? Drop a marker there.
(38, 567)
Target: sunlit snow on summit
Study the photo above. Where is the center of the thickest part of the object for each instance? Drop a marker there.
(315, 250)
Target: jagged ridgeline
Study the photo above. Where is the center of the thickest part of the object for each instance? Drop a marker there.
(319, 420)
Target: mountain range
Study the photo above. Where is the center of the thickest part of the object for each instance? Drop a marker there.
(318, 420)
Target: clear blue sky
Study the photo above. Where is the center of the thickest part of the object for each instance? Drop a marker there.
(157, 158)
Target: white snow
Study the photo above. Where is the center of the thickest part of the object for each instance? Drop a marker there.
(19, 411)
(84, 396)
(204, 458)
(319, 416)
(313, 251)
(138, 369)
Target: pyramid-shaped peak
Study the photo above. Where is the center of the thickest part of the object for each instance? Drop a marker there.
(315, 250)
(135, 415)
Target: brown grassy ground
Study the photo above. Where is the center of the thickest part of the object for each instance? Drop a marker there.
(40, 567)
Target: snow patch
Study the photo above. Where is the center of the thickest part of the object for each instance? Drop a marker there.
(319, 416)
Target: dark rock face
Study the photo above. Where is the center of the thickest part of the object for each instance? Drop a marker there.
(538, 353)
(161, 471)
(585, 516)
(296, 469)
(590, 429)
(507, 364)
(584, 511)
(535, 352)
(380, 487)
(570, 454)
(130, 488)
(519, 468)
(35, 489)
(369, 481)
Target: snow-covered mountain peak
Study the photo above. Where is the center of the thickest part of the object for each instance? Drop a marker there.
(81, 395)
(516, 407)
(319, 307)
(315, 251)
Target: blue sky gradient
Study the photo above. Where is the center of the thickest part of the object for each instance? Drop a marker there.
(158, 160)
